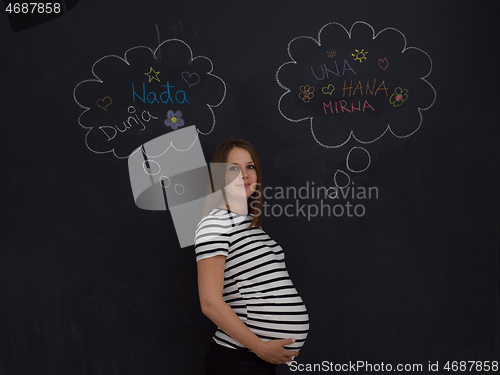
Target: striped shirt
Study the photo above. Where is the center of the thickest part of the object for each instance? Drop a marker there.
(256, 283)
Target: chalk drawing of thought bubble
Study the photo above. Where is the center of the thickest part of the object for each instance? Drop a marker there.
(355, 84)
(145, 94)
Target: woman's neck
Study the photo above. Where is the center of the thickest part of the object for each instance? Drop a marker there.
(240, 209)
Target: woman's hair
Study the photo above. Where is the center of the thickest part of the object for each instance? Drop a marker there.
(254, 202)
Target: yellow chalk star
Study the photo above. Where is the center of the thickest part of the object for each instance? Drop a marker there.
(152, 75)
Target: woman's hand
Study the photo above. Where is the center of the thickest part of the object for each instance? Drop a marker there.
(272, 351)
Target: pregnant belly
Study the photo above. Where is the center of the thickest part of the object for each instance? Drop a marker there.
(278, 321)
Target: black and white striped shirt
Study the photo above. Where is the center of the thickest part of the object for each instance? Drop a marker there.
(256, 283)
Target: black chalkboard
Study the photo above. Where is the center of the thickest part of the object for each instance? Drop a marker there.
(377, 127)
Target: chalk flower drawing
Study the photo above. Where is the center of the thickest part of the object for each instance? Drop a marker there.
(399, 96)
(307, 93)
(174, 119)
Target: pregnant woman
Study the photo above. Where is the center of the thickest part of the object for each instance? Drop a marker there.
(243, 283)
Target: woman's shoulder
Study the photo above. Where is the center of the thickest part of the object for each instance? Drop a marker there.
(221, 220)
(218, 219)
(218, 225)
(213, 216)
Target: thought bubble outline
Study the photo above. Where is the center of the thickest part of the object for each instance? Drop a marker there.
(125, 60)
(171, 145)
(351, 132)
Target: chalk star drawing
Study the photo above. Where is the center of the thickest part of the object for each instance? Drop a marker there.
(152, 75)
(331, 54)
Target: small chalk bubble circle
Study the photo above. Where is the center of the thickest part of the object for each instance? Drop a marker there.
(358, 160)
(162, 181)
(179, 189)
(339, 176)
(331, 192)
(151, 167)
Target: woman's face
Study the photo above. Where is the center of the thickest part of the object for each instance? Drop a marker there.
(241, 174)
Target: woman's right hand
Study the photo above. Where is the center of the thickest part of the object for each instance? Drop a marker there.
(273, 352)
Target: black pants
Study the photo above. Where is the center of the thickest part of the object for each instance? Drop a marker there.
(221, 360)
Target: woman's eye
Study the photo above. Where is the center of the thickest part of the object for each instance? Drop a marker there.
(233, 168)
(251, 166)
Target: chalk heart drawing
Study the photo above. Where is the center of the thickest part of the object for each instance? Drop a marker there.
(383, 63)
(191, 79)
(328, 90)
(104, 102)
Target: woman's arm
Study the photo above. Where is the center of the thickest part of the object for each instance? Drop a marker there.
(210, 289)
